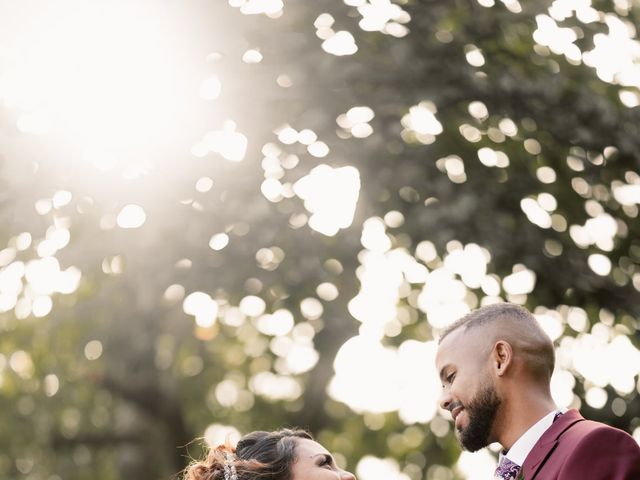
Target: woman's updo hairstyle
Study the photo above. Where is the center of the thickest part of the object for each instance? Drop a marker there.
(258, 455)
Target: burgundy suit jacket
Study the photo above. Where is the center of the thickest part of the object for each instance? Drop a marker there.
(575, 449)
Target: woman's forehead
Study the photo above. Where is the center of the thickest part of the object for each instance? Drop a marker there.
(309, 448)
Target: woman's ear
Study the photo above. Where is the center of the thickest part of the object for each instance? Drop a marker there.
(502, 356)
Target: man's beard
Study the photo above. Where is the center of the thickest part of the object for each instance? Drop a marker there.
(481, 412)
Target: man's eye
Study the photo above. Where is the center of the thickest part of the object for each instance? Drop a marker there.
(326, 460)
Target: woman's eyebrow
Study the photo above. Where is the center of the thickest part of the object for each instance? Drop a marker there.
(326, 455)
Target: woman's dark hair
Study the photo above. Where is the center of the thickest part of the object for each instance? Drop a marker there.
(258, 455)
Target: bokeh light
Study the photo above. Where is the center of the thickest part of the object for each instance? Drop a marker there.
(243, 208)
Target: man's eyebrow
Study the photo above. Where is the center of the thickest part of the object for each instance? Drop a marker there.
(442, 372)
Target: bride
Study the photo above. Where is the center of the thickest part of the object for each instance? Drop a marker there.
(279, 455)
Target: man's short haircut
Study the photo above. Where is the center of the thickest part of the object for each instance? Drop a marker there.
(519, 328)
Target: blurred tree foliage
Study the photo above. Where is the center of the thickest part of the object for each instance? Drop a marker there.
(131, 412)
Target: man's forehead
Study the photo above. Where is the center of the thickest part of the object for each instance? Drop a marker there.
(454, 337)
(454, 345)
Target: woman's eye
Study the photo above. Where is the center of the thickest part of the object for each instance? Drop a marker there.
(325, 461)
(451, 377)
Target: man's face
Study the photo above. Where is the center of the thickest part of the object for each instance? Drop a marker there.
(468, 390)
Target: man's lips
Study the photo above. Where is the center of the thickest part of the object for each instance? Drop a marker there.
(455, 412)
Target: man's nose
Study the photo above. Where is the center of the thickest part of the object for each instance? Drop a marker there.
(445, 399)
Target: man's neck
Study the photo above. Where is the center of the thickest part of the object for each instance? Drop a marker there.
(520, 417)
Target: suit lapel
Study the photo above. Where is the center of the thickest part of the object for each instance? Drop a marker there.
(543, 449)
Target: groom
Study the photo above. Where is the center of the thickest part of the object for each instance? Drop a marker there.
(495, 365)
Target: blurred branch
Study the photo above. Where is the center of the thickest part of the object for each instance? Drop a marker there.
(150, 399)
(103, 439)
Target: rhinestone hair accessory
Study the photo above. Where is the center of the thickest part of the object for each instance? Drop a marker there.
(229, 468)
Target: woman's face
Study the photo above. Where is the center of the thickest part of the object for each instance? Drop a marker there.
(314, 462)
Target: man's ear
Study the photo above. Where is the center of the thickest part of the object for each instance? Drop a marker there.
(501, 357)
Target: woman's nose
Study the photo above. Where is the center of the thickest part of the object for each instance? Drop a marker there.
(347, 475)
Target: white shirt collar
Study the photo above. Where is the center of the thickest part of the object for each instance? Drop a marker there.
(523, 446)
